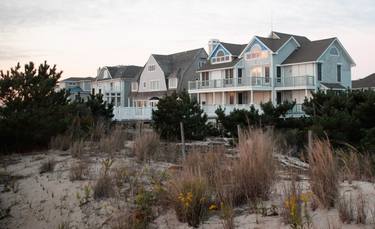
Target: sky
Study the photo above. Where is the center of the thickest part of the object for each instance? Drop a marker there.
(79, 36)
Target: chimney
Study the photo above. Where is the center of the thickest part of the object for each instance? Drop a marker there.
(212, 44)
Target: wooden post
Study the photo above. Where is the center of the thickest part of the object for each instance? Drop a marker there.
(309, 139)
(238, 132)
(182, 140)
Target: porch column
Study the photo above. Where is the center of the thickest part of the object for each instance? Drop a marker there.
(251, 97)
(199, 99)
(213, 98)
(305, 92)
(223, 98)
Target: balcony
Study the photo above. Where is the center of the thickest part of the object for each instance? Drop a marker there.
(295, 81)
(230, 83)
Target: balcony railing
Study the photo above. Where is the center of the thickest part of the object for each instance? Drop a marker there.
(230, 82)
(294, 81)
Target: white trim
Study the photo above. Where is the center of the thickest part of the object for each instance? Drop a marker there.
(274, 34)
(218, 69)
(251, 41)
(298, 63)
(216, 47)
(336, 39)
(286, 42)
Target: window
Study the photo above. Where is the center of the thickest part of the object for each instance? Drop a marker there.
(338, 73)
(319, 71)
(172, 83)
(220, 53)
(205, 78)
(111, 86)
(151, 68)
(144, 84)
(278, 97)
(239, 73)
(333, 51)
(256, 72)
(256, 53)
(220, 57)
(278, 74)
(154, 85)
(267, 74)
(134, 86)
(228, 73)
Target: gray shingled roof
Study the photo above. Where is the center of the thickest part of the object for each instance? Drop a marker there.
(309, 51)
(332, 85)
(367, 82)
(234, 49)
(209, 66)
(123, 71)
(77, 78)
(176, 64)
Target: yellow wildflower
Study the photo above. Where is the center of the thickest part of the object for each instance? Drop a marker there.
(212, 207)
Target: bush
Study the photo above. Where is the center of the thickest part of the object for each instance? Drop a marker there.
(176, 108)
(47, 166)
(146, 145)
(78, 171)
(112, 142)
(60, 142)
(323, 171)
(190, 197)
(103, 187)
(255, 171)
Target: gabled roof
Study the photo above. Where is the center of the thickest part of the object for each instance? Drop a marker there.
(77, 79)
(367, 82)
(309, 51)
(234, 49)
(174, 65)
(209, 66)
(124, 71)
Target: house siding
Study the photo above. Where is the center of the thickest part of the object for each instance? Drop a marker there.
(147, 77)
(329, 67)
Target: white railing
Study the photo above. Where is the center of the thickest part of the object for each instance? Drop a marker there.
(294, 81)
(210, 109)
(132, 113)
(230, 82)
(145, 113)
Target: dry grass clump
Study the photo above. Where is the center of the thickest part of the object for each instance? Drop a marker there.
(356, 166)
(345, 208)
(60, 142)
(211, 164)
(146, 145)
(77, 149)
(97, 131)
(190, 197)
(323, 172)
(255, 171)
(103, 187)
(78, 171)
(47, 166)
(113, 142)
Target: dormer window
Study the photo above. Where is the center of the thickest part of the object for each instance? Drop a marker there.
(172, 82)
(333, 51)
(151, 68)
(220, 57)
(256, 53)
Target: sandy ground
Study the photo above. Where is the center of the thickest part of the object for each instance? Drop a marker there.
(37, 201)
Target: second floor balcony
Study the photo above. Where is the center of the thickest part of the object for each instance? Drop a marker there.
(295, 81)
(260, 82)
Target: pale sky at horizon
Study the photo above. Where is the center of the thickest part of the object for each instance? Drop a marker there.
(81, 35)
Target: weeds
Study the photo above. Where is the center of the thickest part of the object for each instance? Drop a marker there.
(47, 166)
(345, 208)
(323, 172)
(78, 171)
(60, 142)
(103, 187)
(255, 171)
(77, 149)
(146, 146)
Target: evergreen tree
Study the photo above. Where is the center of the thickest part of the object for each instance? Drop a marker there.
(31, 110)
(176, 108)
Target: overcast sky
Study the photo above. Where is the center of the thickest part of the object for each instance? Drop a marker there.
(81, 35)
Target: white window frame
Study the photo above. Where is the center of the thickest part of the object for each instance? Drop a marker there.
(134, 86)
(172, 82)
(155, 85)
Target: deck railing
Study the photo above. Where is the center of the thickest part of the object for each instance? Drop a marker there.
(230, 82)
(294, 81)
